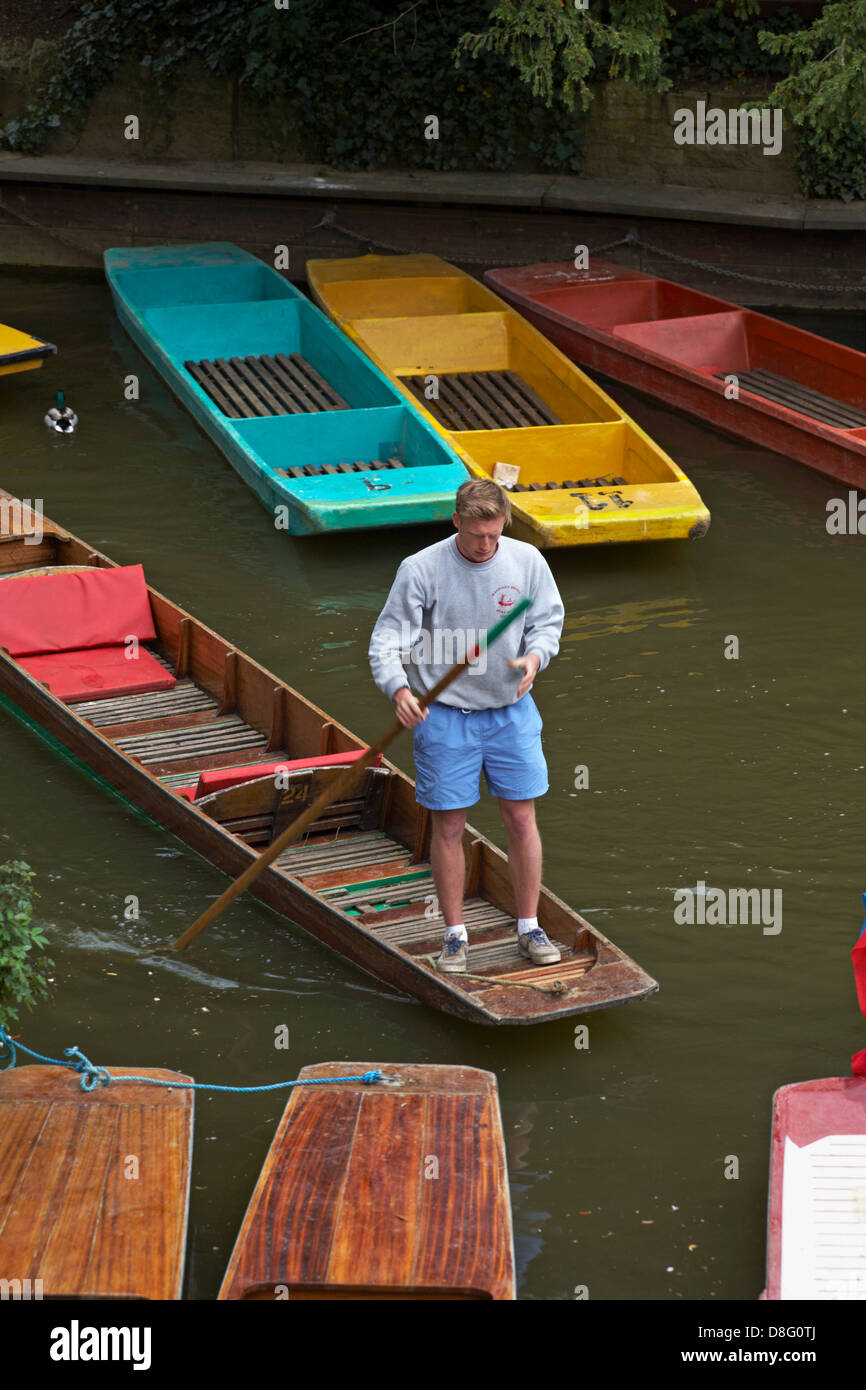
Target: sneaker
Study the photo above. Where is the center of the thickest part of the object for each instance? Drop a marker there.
(454, 956)
(536, 945)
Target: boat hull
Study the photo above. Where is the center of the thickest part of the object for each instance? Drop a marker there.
(816, 1234)
(20, 352)
(535, 291)
(79, 1223)
(498, 392)
(391, 1190)
(597, 974)
(162, 303)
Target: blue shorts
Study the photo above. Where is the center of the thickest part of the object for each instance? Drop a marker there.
(452, 747)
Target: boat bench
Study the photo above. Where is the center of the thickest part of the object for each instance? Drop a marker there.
(482, 401)
(793, 395)
(259, 811)
(312, 470)
(218, 779)
(247, 388)
(608, 481)
(82, 633)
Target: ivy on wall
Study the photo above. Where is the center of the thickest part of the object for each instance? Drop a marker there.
(507, 81)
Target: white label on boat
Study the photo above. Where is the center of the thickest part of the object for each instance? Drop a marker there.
(824, 1219)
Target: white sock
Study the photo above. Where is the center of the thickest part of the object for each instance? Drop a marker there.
(459, 931)
(526, 924)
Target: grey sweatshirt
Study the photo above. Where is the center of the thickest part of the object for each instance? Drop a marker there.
(439, 605)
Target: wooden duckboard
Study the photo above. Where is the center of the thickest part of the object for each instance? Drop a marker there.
(69, 1214)
(347, 1205)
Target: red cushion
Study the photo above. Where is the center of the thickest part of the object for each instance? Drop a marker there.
(65, 612)
(97, 672)
(218, 778)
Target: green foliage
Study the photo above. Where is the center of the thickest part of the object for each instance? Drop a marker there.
(359, 80)
(22, 981)
(714, 45)
(508, 80)
(557, 49)
(824, 96)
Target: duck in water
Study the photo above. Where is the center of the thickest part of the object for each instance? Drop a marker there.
(61, 417)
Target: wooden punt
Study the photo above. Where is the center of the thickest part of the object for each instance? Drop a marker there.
(21, 352)
(303, 416)
(397, 1190)
(498, 392)
(94, 1185)
(796, 393)
(816, 1219)
(361, 880)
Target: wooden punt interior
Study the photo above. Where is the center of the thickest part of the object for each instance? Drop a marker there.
(365, 861)
(486, 400)
(247, 388)
(94, 1185)
(781, 390)
(397, 1190)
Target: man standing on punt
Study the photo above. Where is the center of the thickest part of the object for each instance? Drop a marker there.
(443, 599)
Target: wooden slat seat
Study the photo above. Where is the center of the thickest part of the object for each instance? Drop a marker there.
(343, 851)
(483, 401)
(246, 388)
(218, 742)
(792, 394)
(609, 480)
(185, 698)
(310, 470)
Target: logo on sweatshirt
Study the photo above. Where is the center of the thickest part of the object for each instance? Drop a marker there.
(505, 597)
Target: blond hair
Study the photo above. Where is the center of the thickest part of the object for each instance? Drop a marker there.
(483, 500)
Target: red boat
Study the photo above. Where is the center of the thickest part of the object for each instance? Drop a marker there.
(816, 1223)
(750, 375)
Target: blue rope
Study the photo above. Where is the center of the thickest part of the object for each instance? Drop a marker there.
(93, 1076)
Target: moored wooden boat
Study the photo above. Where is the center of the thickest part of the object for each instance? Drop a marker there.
(94, 1185)
(304, 418)
(21, 352)
(816, 1220)
(500, 393)
(750, 375)
(223, 753)
(397, 1190)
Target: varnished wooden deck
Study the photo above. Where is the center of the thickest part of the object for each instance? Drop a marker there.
(94, 1185)
(383, 1191)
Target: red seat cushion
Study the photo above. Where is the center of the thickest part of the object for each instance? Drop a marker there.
(97, 672)
(66, 612)
(218, 778)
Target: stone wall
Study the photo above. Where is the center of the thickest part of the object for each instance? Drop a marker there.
(630, 134)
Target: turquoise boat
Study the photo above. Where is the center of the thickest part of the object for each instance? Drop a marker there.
(307, 420)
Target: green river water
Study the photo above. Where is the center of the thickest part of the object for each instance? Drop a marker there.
(742, 773)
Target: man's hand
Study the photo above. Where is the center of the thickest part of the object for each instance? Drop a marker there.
(529, 664)
(409, 712)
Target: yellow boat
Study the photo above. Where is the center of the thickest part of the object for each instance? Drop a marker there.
(19, 352)
(500, 393)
